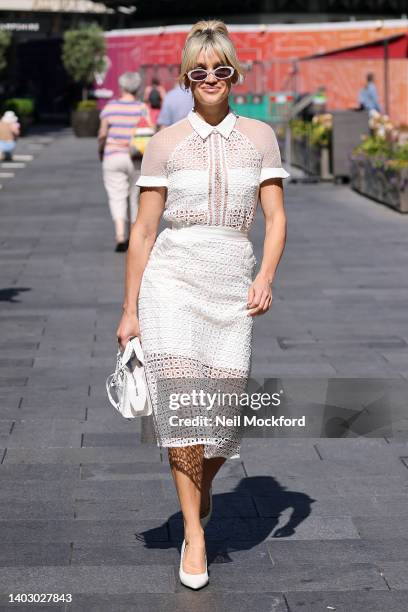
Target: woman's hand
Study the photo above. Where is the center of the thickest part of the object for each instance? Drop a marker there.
(259, 296)
(128, 328)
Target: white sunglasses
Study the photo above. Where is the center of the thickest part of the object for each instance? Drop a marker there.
(200, 74)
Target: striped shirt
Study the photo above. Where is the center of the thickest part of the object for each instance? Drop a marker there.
(122, 118)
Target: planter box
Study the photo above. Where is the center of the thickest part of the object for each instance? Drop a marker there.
(299, 152)
(312, 159)
(380, 183)
(85, 123)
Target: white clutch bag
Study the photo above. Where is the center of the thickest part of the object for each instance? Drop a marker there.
(127, 387)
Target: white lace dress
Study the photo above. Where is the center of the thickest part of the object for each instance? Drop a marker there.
(192, 304)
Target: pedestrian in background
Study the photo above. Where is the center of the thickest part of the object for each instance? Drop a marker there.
(368, 97)
(9, 132)
(153, 96)
(177, 103)
(119, 119)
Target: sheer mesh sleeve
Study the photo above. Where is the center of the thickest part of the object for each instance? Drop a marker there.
(271, 162)
(153, 171)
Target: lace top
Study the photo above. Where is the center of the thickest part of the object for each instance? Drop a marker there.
(212, 173)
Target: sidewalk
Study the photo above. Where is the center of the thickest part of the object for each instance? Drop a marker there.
(79, 486)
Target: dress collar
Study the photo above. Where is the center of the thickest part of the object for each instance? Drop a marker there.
(203, 128)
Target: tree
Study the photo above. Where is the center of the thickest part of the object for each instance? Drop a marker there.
(5, 40)
(83, 54)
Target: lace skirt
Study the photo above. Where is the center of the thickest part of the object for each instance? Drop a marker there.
(194, 326)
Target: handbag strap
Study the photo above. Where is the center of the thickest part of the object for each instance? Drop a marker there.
(108, 385)
(137, 347)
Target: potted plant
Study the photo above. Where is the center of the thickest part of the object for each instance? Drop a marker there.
(320, 137)
(83, 55)
(299, 132)
(311, 145)
(85, 119)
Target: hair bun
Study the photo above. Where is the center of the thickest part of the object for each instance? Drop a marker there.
(208, 28)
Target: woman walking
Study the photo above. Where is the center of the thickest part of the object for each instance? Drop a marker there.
(190, 294)
(118, 121)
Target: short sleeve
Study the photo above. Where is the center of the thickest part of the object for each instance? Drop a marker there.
(271, 159)
(105, 111)
(153, 170)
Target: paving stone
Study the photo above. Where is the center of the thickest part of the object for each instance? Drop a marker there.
(140, 453)
(373, 551)
(147, 490)
(79, 530)
(136, 554)
(260, 529)
(163, 509)
(43, 434)
(378, 528)
(36, 490)
(352, 576)
(110, 424)
(110, 439)
(6, 426)
(13, 381)
(42, 510)
(395, 573)
(276, 451)
(219, 552)
(27, 472)
(76, 411)
(264, 485)
(372, 485)
(28, 608)
(30, 554)
(274, 505)
(89, 579)
(353, 601)
(185, 601)
(339, 468)
(72, 403)
(358, 448)
(124, 471)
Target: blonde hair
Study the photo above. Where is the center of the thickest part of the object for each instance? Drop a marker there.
(206, 35)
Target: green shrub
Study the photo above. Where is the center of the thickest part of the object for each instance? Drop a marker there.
(23, 107)
(299, 128)
(86, 105)
(382, 151)
(374, 146)
(320, 136)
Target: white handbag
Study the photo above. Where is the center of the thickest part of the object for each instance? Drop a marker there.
(128, 382)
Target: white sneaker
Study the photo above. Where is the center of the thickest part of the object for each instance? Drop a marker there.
(207, 517)
(194, 581)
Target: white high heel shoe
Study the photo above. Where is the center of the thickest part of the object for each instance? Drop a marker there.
(207, 517)
(194, 581)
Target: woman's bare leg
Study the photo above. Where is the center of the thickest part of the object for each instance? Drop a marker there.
(210, 469)
(186, 465)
